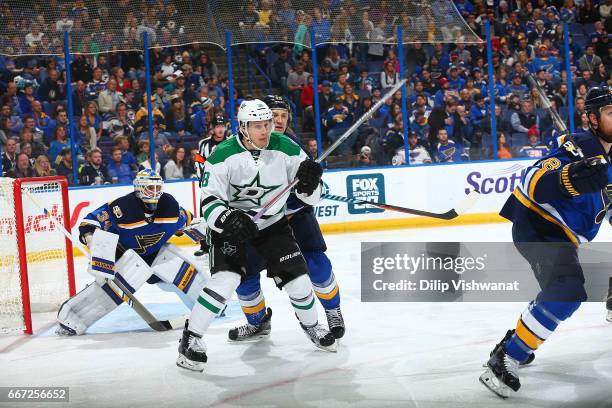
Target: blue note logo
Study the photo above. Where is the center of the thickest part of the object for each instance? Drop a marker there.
(368, 187)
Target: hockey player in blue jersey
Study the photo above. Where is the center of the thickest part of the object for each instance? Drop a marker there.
(560, 202)
(310, 240)
(144, 221)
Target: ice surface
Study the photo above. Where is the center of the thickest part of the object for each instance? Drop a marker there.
(394, 354)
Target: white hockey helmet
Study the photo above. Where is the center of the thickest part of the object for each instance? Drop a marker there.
(148, 187)
(253, 111)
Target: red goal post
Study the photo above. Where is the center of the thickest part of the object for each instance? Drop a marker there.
(36, 259)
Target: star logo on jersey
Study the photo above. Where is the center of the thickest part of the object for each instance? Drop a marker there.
(252, 192)
(228, 249)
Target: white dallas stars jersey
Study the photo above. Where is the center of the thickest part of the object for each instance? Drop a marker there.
(238, 178)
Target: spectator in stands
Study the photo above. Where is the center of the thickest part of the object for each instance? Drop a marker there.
(109, 98)
(503, 150)
(122, 143)
(26, 135)
(525, 119)
(79, 98)
(176, 119)
(64, 168)
(517, 87)
(534, 148)
(337, 120)
(119, 172)
(96, 85)
(311, 145)
(418, 153)
(447, 150)
(479, 112)
(26, 147)
(589, 61)
(307, 103)
(443, 117)
(26, 99)
(9, 154)
(22, 167)
(391, 141)
(175, 168)
(389, 77)
(93, 118)
(349, 98)
(59, 143)
(296, 81)
(50, 91)
(420, 128)
(94, 171)
(141, 121)
(42, 167)
(14, 124)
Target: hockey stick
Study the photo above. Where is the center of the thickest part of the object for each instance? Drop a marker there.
(461, 208)
(331, 148)
(139, 308)
(568, 140)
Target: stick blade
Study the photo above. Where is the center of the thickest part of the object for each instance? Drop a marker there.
(161, 325)
(467, 203)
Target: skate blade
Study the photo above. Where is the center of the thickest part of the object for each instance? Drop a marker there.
(252, 339)
(332, 348)
(609, 317)
(489, 380)
(185, 363)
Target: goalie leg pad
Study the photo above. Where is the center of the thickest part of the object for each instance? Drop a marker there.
(87, 307)
(302, 298)
(212, 299)
(171, 266)
(98, 299)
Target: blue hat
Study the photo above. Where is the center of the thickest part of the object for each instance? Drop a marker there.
(325, 82)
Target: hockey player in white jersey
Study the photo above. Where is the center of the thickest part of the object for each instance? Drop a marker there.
(240, 177)
(312, 244)
(133, 230)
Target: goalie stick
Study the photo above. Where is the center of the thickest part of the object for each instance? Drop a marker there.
(463, 206)
(333, 147)
(139, 308)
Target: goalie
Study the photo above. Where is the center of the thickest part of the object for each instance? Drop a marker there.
(133, 230)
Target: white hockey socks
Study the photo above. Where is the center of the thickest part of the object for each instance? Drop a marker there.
(303, 301)
(212, 299)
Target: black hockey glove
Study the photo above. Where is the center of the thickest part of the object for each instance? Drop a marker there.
(309, 175)
(237, 224)
(585, 176)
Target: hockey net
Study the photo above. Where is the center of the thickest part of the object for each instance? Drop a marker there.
(36, 265)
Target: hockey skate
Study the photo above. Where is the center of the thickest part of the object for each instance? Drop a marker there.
(63, 330)
(192, 351)
(509, 334)
(501, 375)
(251, 332)
(321, 338)
(609, 316)
(335, 322)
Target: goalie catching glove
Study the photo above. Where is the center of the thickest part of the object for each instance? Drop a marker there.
(309, 175)
(584, 176)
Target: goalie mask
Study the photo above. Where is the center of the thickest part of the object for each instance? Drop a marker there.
(148, 187)
(258, 112)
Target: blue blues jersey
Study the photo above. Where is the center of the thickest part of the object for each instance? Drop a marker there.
(126, 217)
(541, 210)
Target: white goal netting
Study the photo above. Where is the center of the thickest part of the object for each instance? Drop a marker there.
(34, 255)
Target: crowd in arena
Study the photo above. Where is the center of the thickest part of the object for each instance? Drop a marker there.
(448, 100)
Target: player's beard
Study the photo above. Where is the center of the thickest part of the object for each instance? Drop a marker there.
(604, 130)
